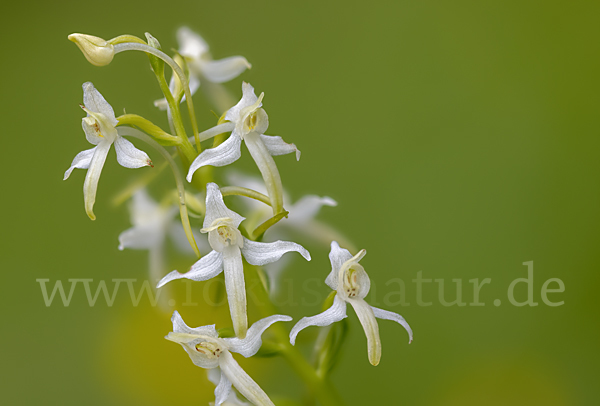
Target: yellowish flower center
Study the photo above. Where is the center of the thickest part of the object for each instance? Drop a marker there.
(351, 286)
(209, 349)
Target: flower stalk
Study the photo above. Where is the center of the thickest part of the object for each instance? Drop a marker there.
(185, 220)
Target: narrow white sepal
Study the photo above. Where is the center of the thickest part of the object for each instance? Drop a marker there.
(336, 312)
(129, 156)
(251, 344)
(277, 146)
(205, 268)
(223, 70)
(223, 389)
(90, 185)
(367, 319)
(139, 238)
(387, 315)
(267, 167)
(308, 207)
(261, 253)
(81, 161)
(236, 288)
(216, 130)
(242, 381)
(226, 153)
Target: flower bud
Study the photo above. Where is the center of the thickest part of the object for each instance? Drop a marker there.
(96, 50)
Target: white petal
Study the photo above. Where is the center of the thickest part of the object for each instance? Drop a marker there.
(267, 167)
(369, 323)
(261, 253)
(179, 326)
(277, 146)
(215, 207)
(223, 70)
(223, 389)
(216, 130)
(191, 44)
(236, 289)
(242, 382)
(95, 102)
(251, 344)
(226, 153)
(205, 268)
(90, 185)
(307, 208)
(337, 257)
(81, 161)
(214, 375)
(336, 312)
(387, 315)
(248, 99)
(129, 156)
(140, 238)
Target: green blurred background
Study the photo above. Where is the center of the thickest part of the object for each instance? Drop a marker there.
(459, 138)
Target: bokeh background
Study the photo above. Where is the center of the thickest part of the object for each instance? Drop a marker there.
(459, 138)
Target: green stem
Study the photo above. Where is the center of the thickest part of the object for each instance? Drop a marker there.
(185, 220)
(323, 389)
(132, 46)
(242, 191)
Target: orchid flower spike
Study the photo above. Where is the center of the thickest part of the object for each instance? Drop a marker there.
(247, 121)
(228, 245)
(352, 284)
(100, 129)
(201, 65)
(207, 350)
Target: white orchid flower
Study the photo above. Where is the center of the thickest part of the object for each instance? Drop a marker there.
(100, 130)
(300, 221)
(352, 284)
(247, 121)
(207, 350)
(152, 223)
(201, 65)
(228, 246)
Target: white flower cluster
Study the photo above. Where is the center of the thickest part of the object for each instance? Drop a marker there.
(231, 238)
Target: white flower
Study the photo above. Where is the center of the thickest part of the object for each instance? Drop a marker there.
(352, 284)
(228, 245)
(99, 127)
(247, 122)
(300, 221)
(207, 350)
(152, 223)
(201, 65)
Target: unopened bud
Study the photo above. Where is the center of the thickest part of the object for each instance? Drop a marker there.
(96, 50)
